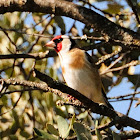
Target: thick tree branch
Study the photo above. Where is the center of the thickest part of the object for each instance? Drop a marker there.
(59, 89)
(110, 30)
(130, 134)
(96, 108)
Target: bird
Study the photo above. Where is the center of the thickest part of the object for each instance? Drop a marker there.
(78, 69)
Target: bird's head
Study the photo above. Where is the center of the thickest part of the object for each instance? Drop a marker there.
(61, 43)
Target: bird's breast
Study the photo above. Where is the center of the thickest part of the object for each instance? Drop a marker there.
(73, 59)
(77, 71)
(81, 76)
(75, 78)
(82, 80)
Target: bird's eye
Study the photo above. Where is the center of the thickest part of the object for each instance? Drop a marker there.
(58, 40)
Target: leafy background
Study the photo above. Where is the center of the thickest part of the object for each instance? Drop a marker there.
(26, 113)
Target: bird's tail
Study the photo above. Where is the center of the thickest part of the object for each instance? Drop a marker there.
(106, 100)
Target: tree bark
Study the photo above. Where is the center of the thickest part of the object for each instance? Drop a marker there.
(111, 31)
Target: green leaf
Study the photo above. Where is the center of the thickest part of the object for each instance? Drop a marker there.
(24, 134)
(114, 8)
(51, 72)
(134, 79)
(13, 137)
(60, 112)
(116, 136)
(72, 120)
(60, 22)
(37, 132)
(4, 100)
(104, 120)
(82, 132)
(52, 129)
(44, 134)
(97, 132)
(71, 123)
(62, 126)
(82, 115)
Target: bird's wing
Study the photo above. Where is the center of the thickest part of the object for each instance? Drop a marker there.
(106, 100)
(92, 62)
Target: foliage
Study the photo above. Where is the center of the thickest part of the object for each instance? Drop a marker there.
(26, 113)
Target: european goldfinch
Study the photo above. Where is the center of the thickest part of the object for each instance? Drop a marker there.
(78, 69)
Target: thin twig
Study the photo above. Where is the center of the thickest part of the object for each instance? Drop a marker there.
(38, 23)
(36, 56)
(107, 56)
(115, 62)
(125, 99)
(134, 8)
(136, 86)
(132, 63)
(9, 92)
(123, 96)
(23, 32)
(13, 105)
(36, 41)
(9, 38)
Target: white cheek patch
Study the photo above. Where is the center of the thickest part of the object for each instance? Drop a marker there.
(65, 36)
(66, 45)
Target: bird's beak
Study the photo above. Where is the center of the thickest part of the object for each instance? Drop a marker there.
(50, 44)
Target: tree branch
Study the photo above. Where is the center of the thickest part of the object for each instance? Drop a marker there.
(60, 89)
(130, 134)
(132, 63)
(134, 8)
(110, 31)
(95, 108)
(36, 56)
